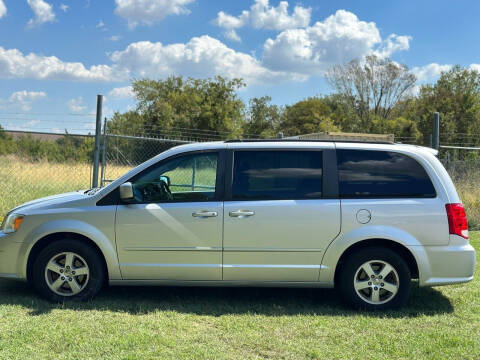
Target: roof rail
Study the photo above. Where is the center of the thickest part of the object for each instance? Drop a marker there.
(307, 140)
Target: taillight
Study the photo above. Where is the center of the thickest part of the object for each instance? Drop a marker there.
(457, 220)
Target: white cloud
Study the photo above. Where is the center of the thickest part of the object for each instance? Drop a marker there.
(232, 35)
(294, 54)
(230, 23)
(23, 99)
(31, 123)
(200, 57)
(475, 67)
(226, 21)
(25, 95)
(76, 105)
(338, 39)
(43, 12)
(64, 7)
(115, 37)
(263, 16)
(3, 9)
(14, 64)
(430, 72)
(149, 11)
(100, 25)
(392, 44)
(125, 92)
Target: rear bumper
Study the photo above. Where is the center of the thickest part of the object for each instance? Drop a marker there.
(445, 265)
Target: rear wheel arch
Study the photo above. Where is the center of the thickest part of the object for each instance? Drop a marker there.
(398, 248)
(50, 238)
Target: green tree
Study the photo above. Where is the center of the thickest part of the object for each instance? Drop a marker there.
(308, 116)
(127, 123)
(400, 127)
(371, 87)
(343, 116)
(178, 104)
(263, 118)
(456, 95)
(7, 143)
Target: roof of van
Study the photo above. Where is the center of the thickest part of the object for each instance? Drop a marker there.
(290, 143)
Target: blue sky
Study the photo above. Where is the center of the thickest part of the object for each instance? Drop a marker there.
(55, 56)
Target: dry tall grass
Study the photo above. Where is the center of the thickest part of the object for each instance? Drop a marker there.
(22, 181)
(468, 187)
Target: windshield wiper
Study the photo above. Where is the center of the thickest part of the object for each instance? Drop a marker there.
(92, 191)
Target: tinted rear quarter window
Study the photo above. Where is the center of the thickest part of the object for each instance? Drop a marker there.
(381, 174)
(277, 175)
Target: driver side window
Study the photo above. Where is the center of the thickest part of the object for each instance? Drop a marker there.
(184, 178)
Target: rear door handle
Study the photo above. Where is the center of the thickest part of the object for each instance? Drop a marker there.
(205, 214)
(241, 213)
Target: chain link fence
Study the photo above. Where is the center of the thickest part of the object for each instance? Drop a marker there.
(37, 165)
(49, 164)
(121, 153)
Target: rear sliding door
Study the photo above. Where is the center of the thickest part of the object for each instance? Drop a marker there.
(277, 219)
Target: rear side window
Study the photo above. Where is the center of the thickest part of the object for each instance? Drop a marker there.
(277, 175)
(381, 174)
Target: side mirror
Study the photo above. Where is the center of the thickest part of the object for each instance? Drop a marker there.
(165, 179)
(126, 192)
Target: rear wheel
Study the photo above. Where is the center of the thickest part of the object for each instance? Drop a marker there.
(68, 270)
(375, 278)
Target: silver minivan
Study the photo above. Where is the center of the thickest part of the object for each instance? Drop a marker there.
(366, 218)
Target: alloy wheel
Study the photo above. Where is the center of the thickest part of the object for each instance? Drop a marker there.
(67, 274)
(376, 282)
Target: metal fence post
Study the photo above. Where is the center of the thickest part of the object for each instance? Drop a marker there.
(98, 132)
(104, 153)
(436, 130)
(194, 173)
(454, 159)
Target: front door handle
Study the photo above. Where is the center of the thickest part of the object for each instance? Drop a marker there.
(241, 213)
(205, 214)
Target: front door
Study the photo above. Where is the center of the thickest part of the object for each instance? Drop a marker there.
(277, 221)
(173, 228)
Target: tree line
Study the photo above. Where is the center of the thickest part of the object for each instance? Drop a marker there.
(68, 148)
(375, 95)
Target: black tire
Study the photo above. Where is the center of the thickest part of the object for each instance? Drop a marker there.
(90, 284)
(352, 270)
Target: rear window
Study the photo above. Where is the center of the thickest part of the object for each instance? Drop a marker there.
(383, 174)
(277, 175)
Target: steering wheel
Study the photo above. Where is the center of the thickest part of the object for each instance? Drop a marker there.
(151, 192)
(156, 192)
(166, 190)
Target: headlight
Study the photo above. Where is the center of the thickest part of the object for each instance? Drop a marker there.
(11, 223)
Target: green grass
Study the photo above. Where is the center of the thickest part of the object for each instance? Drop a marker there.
(238, 323)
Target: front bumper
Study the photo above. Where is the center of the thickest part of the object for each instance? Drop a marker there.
(445, 265)
(9, 256)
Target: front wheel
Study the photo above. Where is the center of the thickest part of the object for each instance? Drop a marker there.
(375, 279)
(68, 270)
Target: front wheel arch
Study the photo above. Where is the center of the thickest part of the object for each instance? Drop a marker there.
(48, 239)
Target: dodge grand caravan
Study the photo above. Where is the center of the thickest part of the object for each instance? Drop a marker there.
(364, 218)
